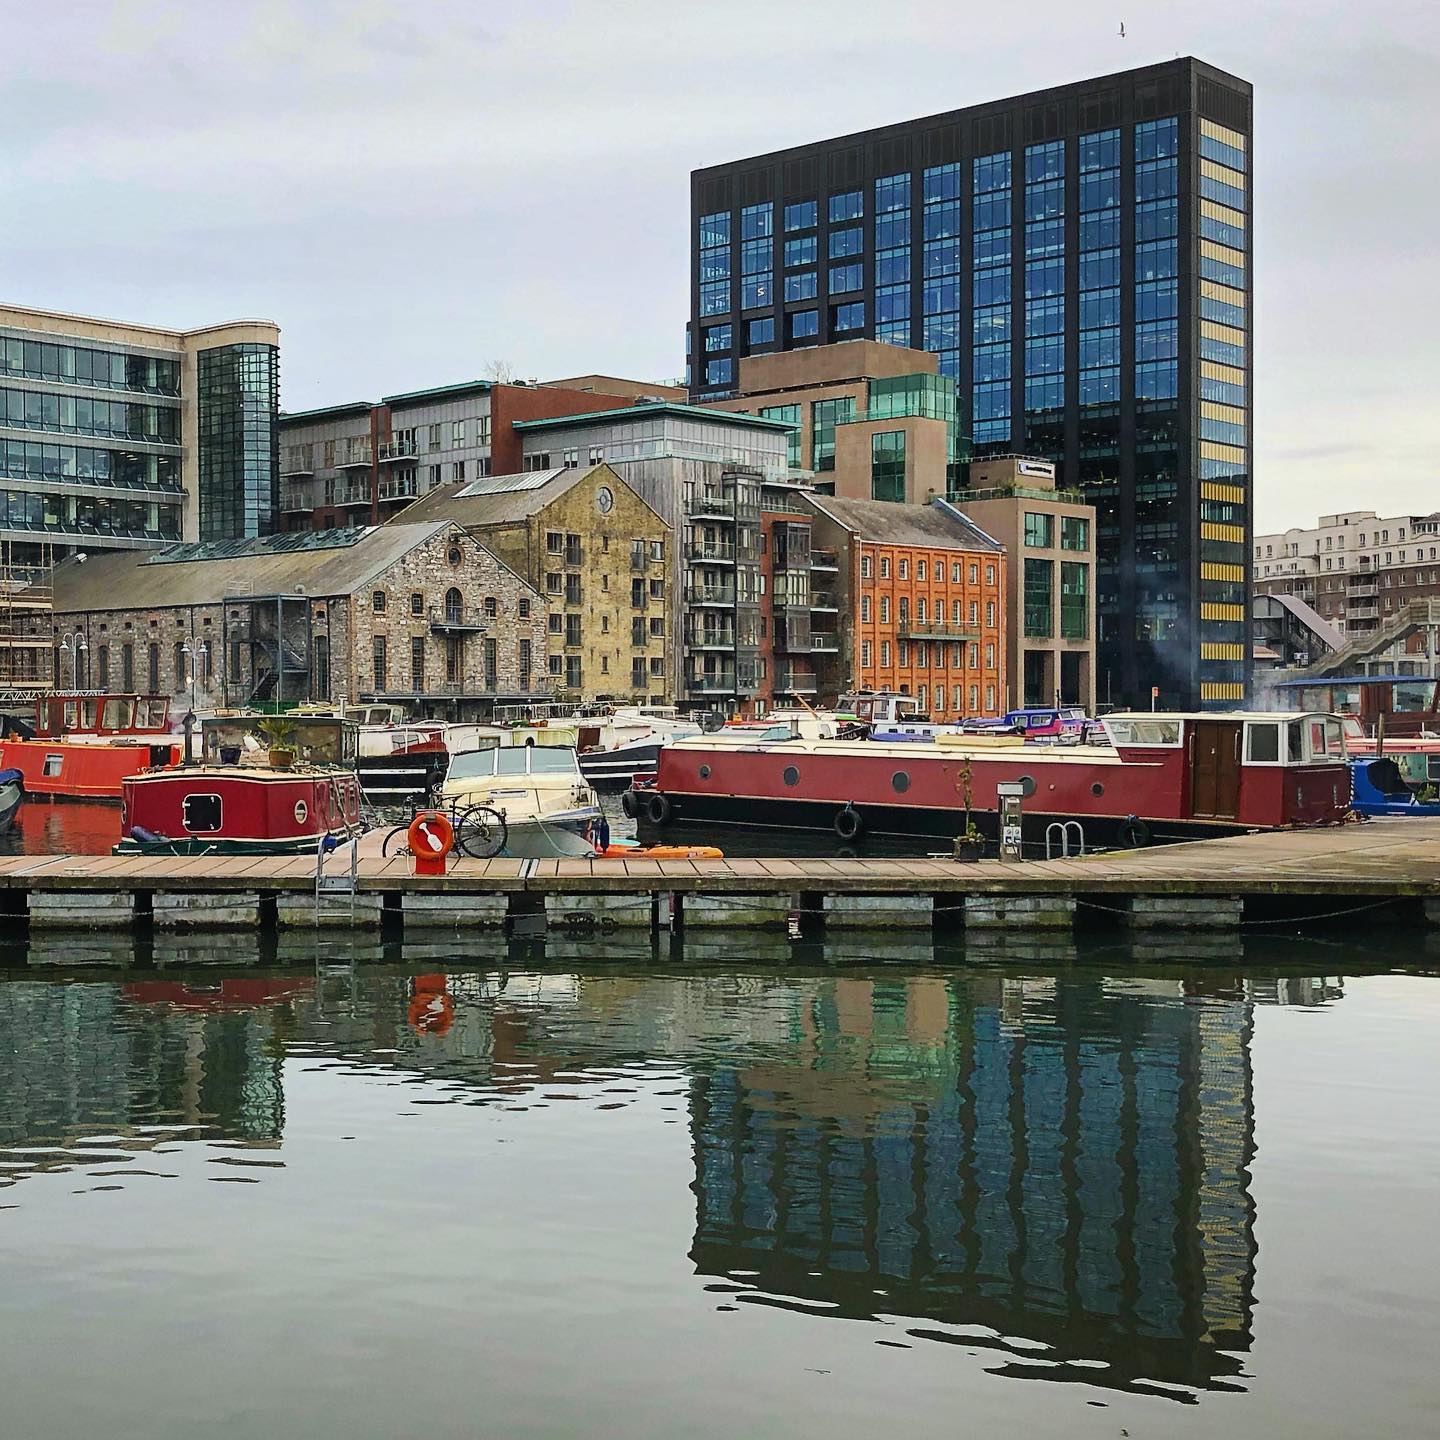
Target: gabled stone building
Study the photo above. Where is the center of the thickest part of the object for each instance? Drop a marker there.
(418, 613)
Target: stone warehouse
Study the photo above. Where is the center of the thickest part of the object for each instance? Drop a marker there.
(417, 613)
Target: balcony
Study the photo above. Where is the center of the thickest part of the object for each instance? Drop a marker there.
(452, 620)
(710, 552)
(824, 642)
(935, 630)
(355, 495)
(715, 682)
(396, 488)
(712, 507)
(822, 600)
(704, 639)
(710, 595)
(398, 450)
(824, 560)
(359, 462)
(297, 468)
(795, 682)
(297, 498)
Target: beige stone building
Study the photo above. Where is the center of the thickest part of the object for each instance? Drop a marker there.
(1049, 536)
(603, 559)
(419, 613)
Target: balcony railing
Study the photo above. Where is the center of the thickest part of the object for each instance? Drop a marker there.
(822, 600)
(395, 488)
(935, 630)
(721, 507)
(452, 619)
(703, 639)
(398, 450)
(712, 551)
(709, 595)
(824, 560)
(795, 682)
(715, 682)
(354, 462)
(823, 640)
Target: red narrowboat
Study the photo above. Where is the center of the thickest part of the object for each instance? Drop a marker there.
(243, 799)
(85, 745)
(1162, 777)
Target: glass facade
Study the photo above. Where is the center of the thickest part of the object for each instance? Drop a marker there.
(887, 465)
(238, 393)
(1079, 263)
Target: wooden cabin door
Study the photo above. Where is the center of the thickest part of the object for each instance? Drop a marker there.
(1215, 769)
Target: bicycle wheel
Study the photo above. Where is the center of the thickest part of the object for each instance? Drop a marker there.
(400, 833)
(480, 832)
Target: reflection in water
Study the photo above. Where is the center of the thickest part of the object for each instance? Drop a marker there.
(1056, 1170)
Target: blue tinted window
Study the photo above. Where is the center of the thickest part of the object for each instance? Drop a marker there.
(846, 277)
(1214, 149)
(949, 363)
(757, 292)
(755, 256)
(1045, 356)
(1222, 350)
(892, 302)
(1100, 192)
(992, 362)
(803, 323)
(1223, 392)
(714, 229)
(991, 287)
(991, 248)
(892, 267)
(991, 172)
(846, 242)
(717, 337)
(1156, 340)
(1043, 201)
(1099, 347)
(1225, 431)
(1099, 307)
(1046, 277)
(1157, 382)
(1155, 139)
(1157, 179)
(1099, 387)
(1099, 269)
(1100, 151)
(1157, 300)
(941, 294)
(848, 317)
(940, 332)
(1230, 195)
(991, 401)
(1045, 317)
(1157, 220)
(802, 215)
(715, 299)
(762, 332)
(991, 211)
(800, 287)
(1044, 162)
(1227, 272)
(715, 264)
(941, 221)
(1213, 308)
(892, 192)
(893, 332)
(1100, 231)
(1156, 260)
(804, 250)
(941, 182)
(1045, 238)
(1217, 227)
(757, 221)
(992, 325)
(891, 230)
(719, 372)
(849, 206)
(1045, 392)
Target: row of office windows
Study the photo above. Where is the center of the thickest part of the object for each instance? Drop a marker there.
(63, 512)
(79, 415)
(34, 460)
(85, 365)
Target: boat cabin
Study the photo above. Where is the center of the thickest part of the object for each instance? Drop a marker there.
(92, 713)
(1236, 765)
(881, 707)
(1406, 704)
(316, 740)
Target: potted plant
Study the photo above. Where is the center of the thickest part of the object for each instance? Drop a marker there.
(279, 734)
(969, 843)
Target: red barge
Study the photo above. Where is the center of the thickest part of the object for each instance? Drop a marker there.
(239, 799)
(85, 745)
(1163, 777)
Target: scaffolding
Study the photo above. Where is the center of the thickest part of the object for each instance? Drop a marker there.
(27, 627)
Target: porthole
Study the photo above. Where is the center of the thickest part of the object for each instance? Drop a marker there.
(900, 781)
(1027, 784)
(790, 775)
(704, 772)
(1097, 788)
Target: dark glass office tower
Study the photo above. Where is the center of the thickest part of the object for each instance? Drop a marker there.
(1079, 260)
(238, 393)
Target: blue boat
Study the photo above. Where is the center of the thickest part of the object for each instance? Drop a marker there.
(1398, 784)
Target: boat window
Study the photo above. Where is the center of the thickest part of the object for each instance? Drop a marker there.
(52, 765)
(1294, 742)
(1432, 768)
(155, 713)
(90, 711)
(481, 762)
(201, 814)
(117, 714)
(551, 760)
(1334, 737)
(1143, 732)
(1262, 744)
(72, 714)
(1409, 696)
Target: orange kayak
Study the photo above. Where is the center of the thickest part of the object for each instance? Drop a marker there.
(659, 852)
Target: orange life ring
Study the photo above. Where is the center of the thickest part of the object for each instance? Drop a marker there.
(431, 837)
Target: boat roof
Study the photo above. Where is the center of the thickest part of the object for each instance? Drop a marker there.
(906, 750)
(1218, 715)
(1352, 680)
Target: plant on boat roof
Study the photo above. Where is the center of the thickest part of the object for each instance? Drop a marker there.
(971, 832)
(277, 731)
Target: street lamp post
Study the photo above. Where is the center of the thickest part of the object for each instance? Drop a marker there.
(74, 645)
(198, 653)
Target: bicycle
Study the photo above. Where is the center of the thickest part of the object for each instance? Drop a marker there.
(480, 833)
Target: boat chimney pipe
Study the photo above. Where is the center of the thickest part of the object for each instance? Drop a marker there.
(188, 724)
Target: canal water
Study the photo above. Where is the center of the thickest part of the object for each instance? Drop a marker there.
(586, 1186)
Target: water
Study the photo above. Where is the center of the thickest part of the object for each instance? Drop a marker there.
(760, 1189)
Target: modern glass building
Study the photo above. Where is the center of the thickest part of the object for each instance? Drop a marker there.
(1078, 258)
(127, 436)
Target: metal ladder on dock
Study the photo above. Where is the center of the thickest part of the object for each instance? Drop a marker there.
(344, 884)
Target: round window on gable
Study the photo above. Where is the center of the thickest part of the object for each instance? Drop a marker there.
(790, 775)
(900, 781)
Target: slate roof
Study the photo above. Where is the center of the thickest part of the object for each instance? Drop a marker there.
(887, 522)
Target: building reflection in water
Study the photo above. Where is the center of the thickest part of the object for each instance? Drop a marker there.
(1058, 1170)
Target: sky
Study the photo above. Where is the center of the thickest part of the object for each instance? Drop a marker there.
(414, 191)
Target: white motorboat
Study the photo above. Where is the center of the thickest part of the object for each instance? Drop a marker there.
(547, 805)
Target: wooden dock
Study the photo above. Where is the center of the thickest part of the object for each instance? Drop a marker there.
(1205, 884)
